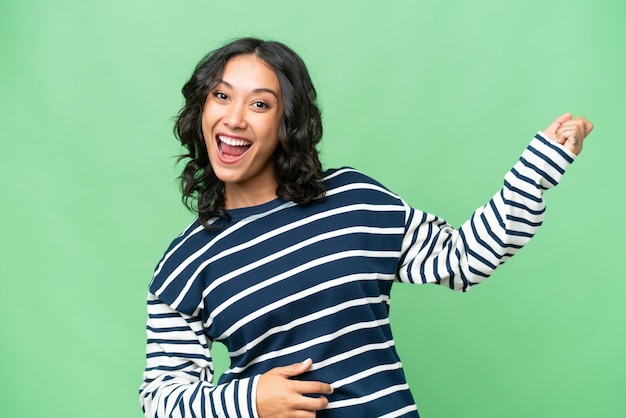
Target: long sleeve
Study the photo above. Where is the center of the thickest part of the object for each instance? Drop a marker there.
(179, 371)
(434, 252)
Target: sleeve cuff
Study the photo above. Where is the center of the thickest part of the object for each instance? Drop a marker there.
(254, 381)
(547, 159)
(242, 398)
(558, 148)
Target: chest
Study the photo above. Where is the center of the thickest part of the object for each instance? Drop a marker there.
(263, 277)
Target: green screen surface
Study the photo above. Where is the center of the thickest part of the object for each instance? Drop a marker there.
(436, 100)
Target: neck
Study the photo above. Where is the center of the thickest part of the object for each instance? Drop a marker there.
(237, 197)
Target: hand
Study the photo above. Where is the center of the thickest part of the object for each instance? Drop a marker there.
(278, 396)
(569, 132)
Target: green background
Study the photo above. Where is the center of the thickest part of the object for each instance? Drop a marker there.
(435, 99)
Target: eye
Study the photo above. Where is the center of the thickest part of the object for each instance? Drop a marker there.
(260, 105)
(220, 95)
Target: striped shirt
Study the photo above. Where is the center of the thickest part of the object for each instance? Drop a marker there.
(280, 282)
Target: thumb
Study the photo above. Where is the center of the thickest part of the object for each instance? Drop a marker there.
(293, 369)
(550, 131)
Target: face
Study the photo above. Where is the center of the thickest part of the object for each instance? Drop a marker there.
(240, 123)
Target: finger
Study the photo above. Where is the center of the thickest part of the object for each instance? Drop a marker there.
(308, 387)
(302, 414)
(588, 126)
(293, 369)
(571, 136)
(564, 118)
(311, 404)
(551, 130)
(564, 133)
(575, 128)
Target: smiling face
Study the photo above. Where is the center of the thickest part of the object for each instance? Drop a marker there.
(240, 124)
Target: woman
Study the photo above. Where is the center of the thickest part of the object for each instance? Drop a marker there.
(290, 266)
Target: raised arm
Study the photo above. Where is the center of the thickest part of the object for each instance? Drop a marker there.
(434, 252)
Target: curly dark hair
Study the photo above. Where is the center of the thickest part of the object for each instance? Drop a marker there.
(297, 168)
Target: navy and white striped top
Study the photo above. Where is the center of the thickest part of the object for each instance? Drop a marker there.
(281, 282)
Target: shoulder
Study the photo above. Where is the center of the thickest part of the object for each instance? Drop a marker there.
(185, 244)
(349, 181)
(345, 175)
(175, 270)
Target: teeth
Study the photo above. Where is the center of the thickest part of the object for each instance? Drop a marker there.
(234, 142)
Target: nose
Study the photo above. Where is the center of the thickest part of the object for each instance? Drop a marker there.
(235, 117)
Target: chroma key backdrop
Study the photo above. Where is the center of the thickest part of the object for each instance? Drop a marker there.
(434, 99)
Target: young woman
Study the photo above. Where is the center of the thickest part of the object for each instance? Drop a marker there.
(291, 266)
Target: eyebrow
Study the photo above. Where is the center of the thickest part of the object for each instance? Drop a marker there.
(258, 90)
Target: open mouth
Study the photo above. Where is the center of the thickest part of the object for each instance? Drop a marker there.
(232, 147)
